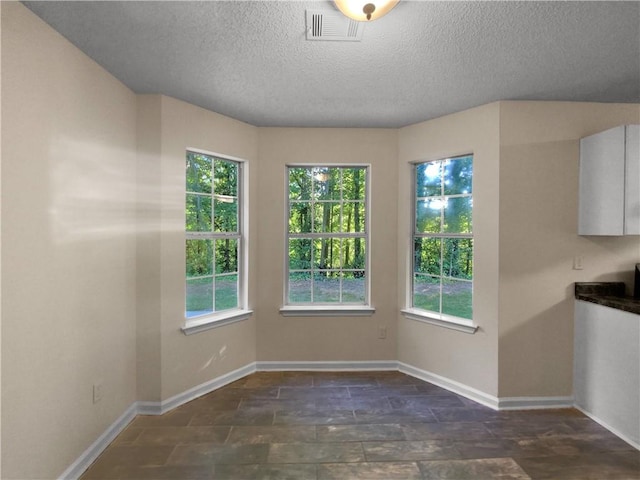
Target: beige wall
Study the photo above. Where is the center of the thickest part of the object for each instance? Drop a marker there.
(469, 359)
(93, 217)
(326, 338)
(68, 258)
(539, 155)
(173, 361)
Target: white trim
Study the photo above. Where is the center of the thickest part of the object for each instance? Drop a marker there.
(616, 432)
(159, 408)
(326, 310)
(534, 403)
(84, 461)
(356, 366)
(452, 385)
(200, 324)
(440, 321)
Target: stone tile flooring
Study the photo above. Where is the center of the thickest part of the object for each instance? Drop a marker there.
(359, 425)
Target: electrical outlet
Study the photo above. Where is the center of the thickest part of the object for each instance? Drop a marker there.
(577, 262)
(382, 331)
(97, 392)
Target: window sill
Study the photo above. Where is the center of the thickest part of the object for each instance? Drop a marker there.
(440, 320)
(215, 320)
(326, 311)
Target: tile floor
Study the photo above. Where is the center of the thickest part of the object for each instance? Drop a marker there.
(359, 425)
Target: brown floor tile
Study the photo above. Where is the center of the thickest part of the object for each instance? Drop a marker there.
(182, 435)
(211, 454)
(386, 391)
(170, 472)
(503, 447)
(394, 416)
(490, 468)
(586, 443)
(359, 433)
(276, 404)
(233, 417)
(446, 431)
(307, 393)
(128, 436)
(265, 472)
(175, 418)
(360, 425)
(314, 417)
(609, 466)
(358, 403)
(410, 451)
(246, 435)
(112, 461)
(354, 380)
(529, 428)
(426, 401)
(369, 471)
(316, 452)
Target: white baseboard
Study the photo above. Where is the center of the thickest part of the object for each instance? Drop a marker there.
(534, 403)
(159, 408)
(83, 462)
(615, 431)
(452, 385)
(356, 366)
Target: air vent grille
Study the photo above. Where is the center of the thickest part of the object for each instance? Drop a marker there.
(332, 26)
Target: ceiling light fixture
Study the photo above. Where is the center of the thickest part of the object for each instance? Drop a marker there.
(364, 10)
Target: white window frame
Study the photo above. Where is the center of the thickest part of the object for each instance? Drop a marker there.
(215, 319)
(419, 314)
(329, 309)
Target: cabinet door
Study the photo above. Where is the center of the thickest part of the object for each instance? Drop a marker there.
(602, 169)
(632, 181)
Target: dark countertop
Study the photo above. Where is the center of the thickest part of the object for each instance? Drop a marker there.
(609, 294)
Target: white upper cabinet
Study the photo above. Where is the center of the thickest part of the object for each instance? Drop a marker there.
(610, 182)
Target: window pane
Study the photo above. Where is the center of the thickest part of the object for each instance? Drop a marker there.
(225, 210)
(225, 177)
(198, 173)
(226, 255)
(426, 292)
(428, 215)
(457, 215)
(429, 179)
(353, 287)
(427, 255)
(354, 253)
(458, 258)
(326, 217)
(199, 255)
(299, 287)
(300, 254)
(199, 296)
(458, 175)
(326, 253)
(198, 213)
(457, 298)
(353, 217)
(326, 287)
(353, 183)
(226, 292)
(300, 183)
(300, 217)
(327, 183)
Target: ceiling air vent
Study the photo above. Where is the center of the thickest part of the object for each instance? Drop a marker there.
(323, 25)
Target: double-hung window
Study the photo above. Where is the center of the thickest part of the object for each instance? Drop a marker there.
(443, 238)
(327, 236)
(213, 235)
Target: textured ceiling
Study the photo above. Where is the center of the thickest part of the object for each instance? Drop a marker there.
(251, 61)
